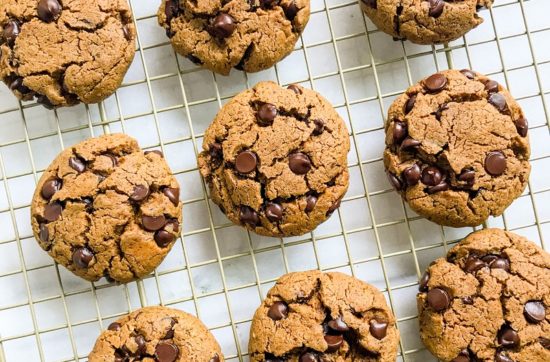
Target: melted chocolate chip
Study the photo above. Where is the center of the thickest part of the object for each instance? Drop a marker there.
(440, 111)
(442, 186)
(274, 212)
(435, 83)
(319, 126)
(266, 114)
(299, 163)
(508, 337)
(48, 10)
(334, 342)
(163, 238)
(378, 329)
(278, 311)
(44, 233)
(309, 357)
(501, 263)
(153, 223)
(216, 358)
(173, 194)
(222, 26)
(436, 8)
(171, 9)
(52, 211)
(545, 342)
(141, 344)
(290, 9)
(139, 193)
(473, 264)
(468, 176)
(439, 299)
(50, 187)
(82, 257)
(249, 216)
(77, 164)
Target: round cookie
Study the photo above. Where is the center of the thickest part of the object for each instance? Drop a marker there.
(65, 52)
(425, 21)
(489, 300)
(156, 334)
(323, 317)
(457, 148)
(276, 159)
(106, 208)
(249, 35)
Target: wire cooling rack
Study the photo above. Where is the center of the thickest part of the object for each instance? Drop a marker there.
(217, 270)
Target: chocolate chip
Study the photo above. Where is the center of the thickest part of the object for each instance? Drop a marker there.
(491, 86)
(113, 158)
(77, 164)
(467, 300)
(11, 31)
(48, 10)
(443, 186)
(44, 233)
(120, 356)
(246, 162)
(126, 32)
(495, 163)
(194, 59)
(423, 284)
(436, 8)
(266, 114)
(299, 163)
(412, 175)
(334, 342)
(371, 3)
(173, 194)
(52, 211)
(489, 259)
(166, 352)
(501, 263)
(410, 103)
(431, 176)
(82, 257)
(409, 144)
(295, 88)
(439, 299)
(50, 187)
(545, 342)
(311, 201)
(141, 344)
(249, 216)
(468, 73)
(274, 212)
(153, 223)
(473, 264)
(334, 207)
(498, 100)
(290, 9)
(468, 176)
(163, 238)
(140, 193)
(338, 325)
(216, 358)
(534, 311)
(271, 358)
(171, 9)
(216, 154)
(440, 111)
(268, 3)
(522, 126)
(435, 83)
(319, 126)
(507, 337)
(278, 311)
(399, 132)
(222, 26)
(170, 333)
(45, 101)
(17, 85)
(394, 181)
(309, 357)
(152, 152)
(114, 326)
(502, 357)
(378, 328)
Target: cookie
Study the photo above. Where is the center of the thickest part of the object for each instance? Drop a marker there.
(65, 52)
(457, 148)
(275, 159)
(106, 208)
(425, 21)
(156, 334)
(249, 35)
(323, 317)
(489, 300)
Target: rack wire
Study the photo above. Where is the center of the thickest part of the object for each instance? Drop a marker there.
(217, 270)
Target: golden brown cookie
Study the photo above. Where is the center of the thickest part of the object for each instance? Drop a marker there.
(425, 21)
(323, 317)
(106, 208)
(276, 159)
(65, 52)
(249, 35)
(457, 148)
(489, 300)
(156, 334)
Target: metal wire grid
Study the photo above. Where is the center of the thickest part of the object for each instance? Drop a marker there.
(150, 288)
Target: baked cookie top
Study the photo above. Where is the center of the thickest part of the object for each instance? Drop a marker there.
(323, 317)
(489, 300)
(156, 334)
(106, 208)
(276, 159)
(249, 35)
(65, 52)
(425, 21)
(457, 148)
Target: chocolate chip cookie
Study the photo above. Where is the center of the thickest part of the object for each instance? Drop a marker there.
(323, 317)
(425, 21)
(489, 300)
(106, 208)
(157, 334)
(457, 148)
(276, 159)
(65, 52)
(249, 35)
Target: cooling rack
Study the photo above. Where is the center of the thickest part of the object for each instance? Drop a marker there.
(217, 270)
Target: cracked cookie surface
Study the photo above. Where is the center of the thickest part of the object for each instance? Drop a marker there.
(489, 300)
(276, 159)
(249, 35)
(63, 52)
(425, 21)
(105, 208)
(457, 148)
(156, 334)
(323, 317)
